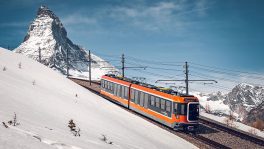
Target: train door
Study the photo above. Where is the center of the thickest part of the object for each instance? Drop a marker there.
(146, 100)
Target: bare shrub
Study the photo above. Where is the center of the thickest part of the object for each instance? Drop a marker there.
(229, 120)
(259, 124)
(105, 139)
(241, 111)
(75, 131)
(207, 108)
(4, 68)
(14, 121)
(19, 65)
(4, 124)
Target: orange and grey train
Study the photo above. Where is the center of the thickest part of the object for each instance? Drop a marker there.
(168, 107)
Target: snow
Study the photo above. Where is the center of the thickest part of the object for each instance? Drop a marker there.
(44, 110)
(237, 125)
(215, 106)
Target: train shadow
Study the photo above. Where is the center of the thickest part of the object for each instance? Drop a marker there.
(203, 129)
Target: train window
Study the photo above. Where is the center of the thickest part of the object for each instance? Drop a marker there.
(180, 109)
(146, 100)
(136, 96)
(176, 108)
(168, 106)
(162, 104)
(118, 90)
(102, 84)
(157, 102)
(126, 93)
(139, 94)
(152, 100)
(183, 109)
(141, 101)
(110, 86)
(122, 91)
(105, 84)
(114, 88)
(132, 95)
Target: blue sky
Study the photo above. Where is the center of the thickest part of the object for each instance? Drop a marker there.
(220, 33)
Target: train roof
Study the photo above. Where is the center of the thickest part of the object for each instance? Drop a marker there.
(150, 86)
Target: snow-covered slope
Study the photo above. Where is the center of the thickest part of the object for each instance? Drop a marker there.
(47, 40)
(44, 102)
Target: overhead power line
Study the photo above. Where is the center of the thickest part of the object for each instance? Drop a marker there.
(226, 70)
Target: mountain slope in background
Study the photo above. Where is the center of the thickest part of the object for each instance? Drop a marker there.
(44, 102)
(47, 40)
(244, 100)
(245, 96)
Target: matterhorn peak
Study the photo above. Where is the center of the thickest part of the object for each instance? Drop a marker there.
(44, 10)
(46, 41)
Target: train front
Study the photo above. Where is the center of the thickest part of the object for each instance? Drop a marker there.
(186, 114)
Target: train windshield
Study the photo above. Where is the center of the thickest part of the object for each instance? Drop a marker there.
(193, 111)
(180, 108)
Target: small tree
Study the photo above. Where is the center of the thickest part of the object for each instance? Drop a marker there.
(72, 125)
(33, 82)
(105, 139)
(4, 68)
(19, 65)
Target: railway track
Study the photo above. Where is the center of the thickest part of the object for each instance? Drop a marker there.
(211, 134)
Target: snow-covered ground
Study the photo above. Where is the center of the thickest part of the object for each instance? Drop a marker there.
(44, 102)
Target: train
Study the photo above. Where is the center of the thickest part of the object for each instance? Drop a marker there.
(166, 106)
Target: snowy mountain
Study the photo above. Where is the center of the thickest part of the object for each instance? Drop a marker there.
(244, 100)
(47, 41)
(44, 101)
(245, 96)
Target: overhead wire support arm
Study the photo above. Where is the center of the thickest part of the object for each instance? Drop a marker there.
(184, 80)
(123, 65)
(187, 80)
(137, 67)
